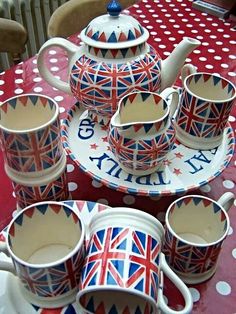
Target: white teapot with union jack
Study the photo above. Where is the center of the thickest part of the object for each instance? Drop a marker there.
(114, 60)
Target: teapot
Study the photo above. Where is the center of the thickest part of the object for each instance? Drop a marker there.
(113, 60)
(141, 133)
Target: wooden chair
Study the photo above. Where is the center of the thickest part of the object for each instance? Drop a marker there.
(13, 38)
(74, 15)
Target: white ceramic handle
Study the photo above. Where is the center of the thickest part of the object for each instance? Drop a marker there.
(7, 266)
(181, 287)
(174, 101)
(227, 200)
(70, 49)
(187, 69)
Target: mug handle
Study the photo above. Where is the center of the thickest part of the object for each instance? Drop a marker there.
(174, 101)
(6, 266)
(70, 49)
(186, 70)
(179, 284)
(226, 200)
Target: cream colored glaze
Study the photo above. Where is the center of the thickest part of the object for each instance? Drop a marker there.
(194, 238)
(140, 111)
(49, 253)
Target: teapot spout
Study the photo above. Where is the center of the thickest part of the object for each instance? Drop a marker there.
(173, 64)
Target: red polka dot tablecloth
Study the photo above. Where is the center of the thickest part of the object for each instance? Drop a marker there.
(168, 22)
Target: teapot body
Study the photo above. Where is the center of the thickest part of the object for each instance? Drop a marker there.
(99, 78)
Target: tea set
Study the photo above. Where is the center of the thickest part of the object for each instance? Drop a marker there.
(145, 135)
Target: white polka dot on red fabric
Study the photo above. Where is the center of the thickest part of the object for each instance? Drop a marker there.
(72, 186)
(38, 89)
(58, 98)
(19, 81)
(1, 92)
(129, 199)
(2, 82)
(232, 119)
(195, 294)
(234, 253)
(205, 188)
(54, 69)
(37, 79)
(36, 70)
(96, 184)
(228, 184)
(103, 201)
(62, 109)
(70, 168)
(232, 74)
(18, 91)
(223, 288)
(231, 231)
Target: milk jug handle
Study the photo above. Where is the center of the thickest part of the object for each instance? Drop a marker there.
(226, 200)
(6, 265)
(179, 284)
(187, 69)
(174, 100)
(70, 49)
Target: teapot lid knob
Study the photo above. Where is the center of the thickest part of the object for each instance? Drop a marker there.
(114, 8)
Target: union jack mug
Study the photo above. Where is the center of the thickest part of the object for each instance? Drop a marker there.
(30, 134)
(204, 109)
(196, 227)
(46, 244)
(122, 272)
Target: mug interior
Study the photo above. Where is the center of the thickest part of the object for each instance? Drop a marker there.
(45, 233)
(142, 107)
(27, 112)
(197, 220)
(111, 301)
(210, 87)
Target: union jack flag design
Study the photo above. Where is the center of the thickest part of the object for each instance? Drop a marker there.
(187, 258)
(56, 190)
(63, 277)
(141, 154)
(99, 86)
(202, 118)
(121, 257)
(52, 280)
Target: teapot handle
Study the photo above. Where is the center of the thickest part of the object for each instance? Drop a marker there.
(69, 47)
(187, 69)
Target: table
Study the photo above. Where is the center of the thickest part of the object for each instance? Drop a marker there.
(167, 21)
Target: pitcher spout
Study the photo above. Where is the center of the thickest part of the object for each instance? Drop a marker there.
(173, 64)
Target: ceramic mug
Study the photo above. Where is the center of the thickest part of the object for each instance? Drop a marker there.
(205, 106)
(123, 265)
(196, 227)
(30, 134)
(50, 187)
(46, 244)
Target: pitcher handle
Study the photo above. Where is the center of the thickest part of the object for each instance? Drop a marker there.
(226, 200)
(4, 265)
(175, 98)
(70, 49)
(187, 69)
(179, 284)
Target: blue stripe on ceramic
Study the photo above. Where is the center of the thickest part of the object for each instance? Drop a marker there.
(13, 102)
(216, 208)
(197, 77)
(196, 200)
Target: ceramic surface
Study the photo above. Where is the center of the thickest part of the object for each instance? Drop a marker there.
(184, 169)
(30, 134)
(114, 60)
(11, 297)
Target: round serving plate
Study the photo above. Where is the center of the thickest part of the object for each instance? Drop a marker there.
(183, 170)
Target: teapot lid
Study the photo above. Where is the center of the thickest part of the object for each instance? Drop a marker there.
(114, 30)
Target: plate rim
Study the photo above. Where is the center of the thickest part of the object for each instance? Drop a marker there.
(136, 191)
